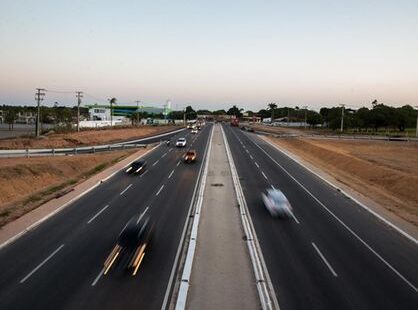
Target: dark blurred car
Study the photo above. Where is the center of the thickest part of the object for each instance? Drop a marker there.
(131, 244)
(190, 156)
(137, 167)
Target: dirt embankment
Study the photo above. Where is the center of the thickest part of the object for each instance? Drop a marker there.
(84, 138)
(26, 183)
(386, 172)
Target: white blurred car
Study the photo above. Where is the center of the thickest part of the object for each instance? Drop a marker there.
(194, 130)
(181, 142)
(277, 203)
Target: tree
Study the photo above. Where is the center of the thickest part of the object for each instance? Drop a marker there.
(11, 117)
(271, 107)
(313, 118)
(219, 112)
(190, 113)
(235, 111)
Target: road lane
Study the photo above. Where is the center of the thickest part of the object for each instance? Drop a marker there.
(66, 282)
(295, 267)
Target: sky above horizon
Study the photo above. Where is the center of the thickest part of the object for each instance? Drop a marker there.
(211, 54)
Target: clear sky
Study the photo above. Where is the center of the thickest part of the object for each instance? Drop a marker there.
(211, 53)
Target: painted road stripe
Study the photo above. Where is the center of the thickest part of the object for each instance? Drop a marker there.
(98, 277)
(142, 215)
(171, 174)
(256, 164)
(325, 260)
(123, 192)
(178, 163)
(159, 191)
(264, 175)
(156, 162)
(143, 173)
(97, 214)
(164, 155)
(41, 264)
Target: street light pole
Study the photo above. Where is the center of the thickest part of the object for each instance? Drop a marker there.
(137, 111)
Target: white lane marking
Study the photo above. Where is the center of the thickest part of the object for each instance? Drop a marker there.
(171, 173)
(264, 175)
(247, 151)
(155, 162)
(164, 155)
(325, 260)
(170, 149)
(97, 214)
(159, 191)
(142, 215)
(143, 174)
(341, 222)
(41, 264)
(251, 156)
(294, 217)
(256, 164)
(178, 163)
(98, 277)
(123, 192)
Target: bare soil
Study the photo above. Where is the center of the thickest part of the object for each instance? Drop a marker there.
(84, 138)
(26, 183)
(386, 172)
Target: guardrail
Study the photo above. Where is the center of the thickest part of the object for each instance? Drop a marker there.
(87, 149)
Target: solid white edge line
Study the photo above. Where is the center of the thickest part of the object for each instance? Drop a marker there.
(97, 214)
(324, 260)
(187, 269)
(341, 222)
(123, 192)
(40, 221)
(42, 263)
(159, 191)
(264, 285)
(183, 235)
(387, 222)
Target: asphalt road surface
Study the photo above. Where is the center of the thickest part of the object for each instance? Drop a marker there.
(333, 254)
(59, 265)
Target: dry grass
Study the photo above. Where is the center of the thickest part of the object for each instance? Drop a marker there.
(82, 138)
(26, 183)
(387, 172)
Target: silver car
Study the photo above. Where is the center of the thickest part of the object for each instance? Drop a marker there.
(277, 203)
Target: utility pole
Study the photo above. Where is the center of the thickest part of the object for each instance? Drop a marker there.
(39, 96)
(79, 95)
(288, 117)
(342, 117)
(184, 117)
(137, 111)
(306, 112)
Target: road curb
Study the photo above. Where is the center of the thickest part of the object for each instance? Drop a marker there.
(264, 285)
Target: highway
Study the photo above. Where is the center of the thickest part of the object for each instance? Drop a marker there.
(59, 265)
(332, 254)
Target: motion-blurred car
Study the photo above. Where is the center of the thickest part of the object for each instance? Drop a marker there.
(181, 142)
(190, 156)
(131, 244)
(276, 203)
(194, 130)
(137, 167)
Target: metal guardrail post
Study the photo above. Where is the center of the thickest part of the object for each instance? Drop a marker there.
(27, 153)
(53, 152)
